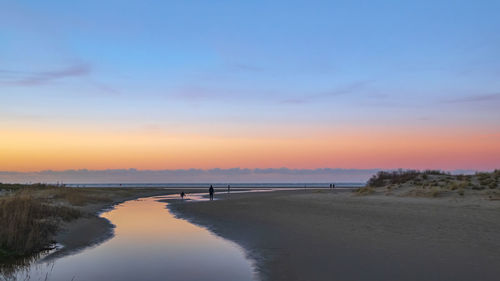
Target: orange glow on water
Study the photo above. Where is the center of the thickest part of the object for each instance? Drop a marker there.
(149, 241)
(139, 219)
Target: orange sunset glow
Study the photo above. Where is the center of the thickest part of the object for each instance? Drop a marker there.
(392, 149)
(220, 91)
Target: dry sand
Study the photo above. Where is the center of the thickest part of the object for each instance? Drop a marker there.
(325, 235)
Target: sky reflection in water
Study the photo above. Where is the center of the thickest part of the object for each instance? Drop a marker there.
(150, 244)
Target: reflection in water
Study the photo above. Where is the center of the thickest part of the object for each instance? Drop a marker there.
(11, 270)
(149, 244)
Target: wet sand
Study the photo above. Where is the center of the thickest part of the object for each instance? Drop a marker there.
(325, 235)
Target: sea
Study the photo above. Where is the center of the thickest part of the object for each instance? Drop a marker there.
(219, 185)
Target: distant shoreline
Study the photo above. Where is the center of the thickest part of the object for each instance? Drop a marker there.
(221, 185)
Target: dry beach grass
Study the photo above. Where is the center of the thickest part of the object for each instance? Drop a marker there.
(433, 184)
(34, 216)
(29, 220)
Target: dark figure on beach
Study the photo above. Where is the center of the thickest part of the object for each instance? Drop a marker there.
(228, 188)
(330, 186)
(183, 194)
(333, 185)
(211, 191)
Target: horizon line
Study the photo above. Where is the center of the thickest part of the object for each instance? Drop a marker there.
(240, 169)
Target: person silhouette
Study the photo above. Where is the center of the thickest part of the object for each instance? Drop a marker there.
(183, 194)
(228, 188)
(211, 192)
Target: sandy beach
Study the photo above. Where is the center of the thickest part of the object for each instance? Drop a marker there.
(321, 234)
(335, 235)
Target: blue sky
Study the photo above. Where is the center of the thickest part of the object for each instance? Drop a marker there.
(283, 68)
(277, 55)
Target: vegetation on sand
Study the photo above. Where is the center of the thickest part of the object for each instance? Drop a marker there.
(432, 183)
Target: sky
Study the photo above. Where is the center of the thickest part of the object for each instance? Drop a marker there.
(156, 85)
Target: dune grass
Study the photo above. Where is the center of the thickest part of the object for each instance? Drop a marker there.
(432, 183)
(28, 224)
(365, 190)
(400, 176)
(31, 214)
(72, 196)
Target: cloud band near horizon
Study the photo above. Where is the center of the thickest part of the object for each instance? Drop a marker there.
(232, 175)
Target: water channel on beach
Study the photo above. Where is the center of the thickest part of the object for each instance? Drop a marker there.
(150, 243)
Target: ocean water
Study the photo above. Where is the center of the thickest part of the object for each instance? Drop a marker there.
(221, 185)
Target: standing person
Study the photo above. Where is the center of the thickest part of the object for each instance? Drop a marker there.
(183, 194)
(330, 186)
(228, 188)
(333, 185)
(211, 191)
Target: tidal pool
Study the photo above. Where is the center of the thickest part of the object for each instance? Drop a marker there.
(149, 244)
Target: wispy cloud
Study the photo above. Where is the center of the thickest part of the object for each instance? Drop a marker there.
(106, 89)
(344, 90)
(294, 101)
(24, 78)
(245, 67)
(196, 93)
(474, 99)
